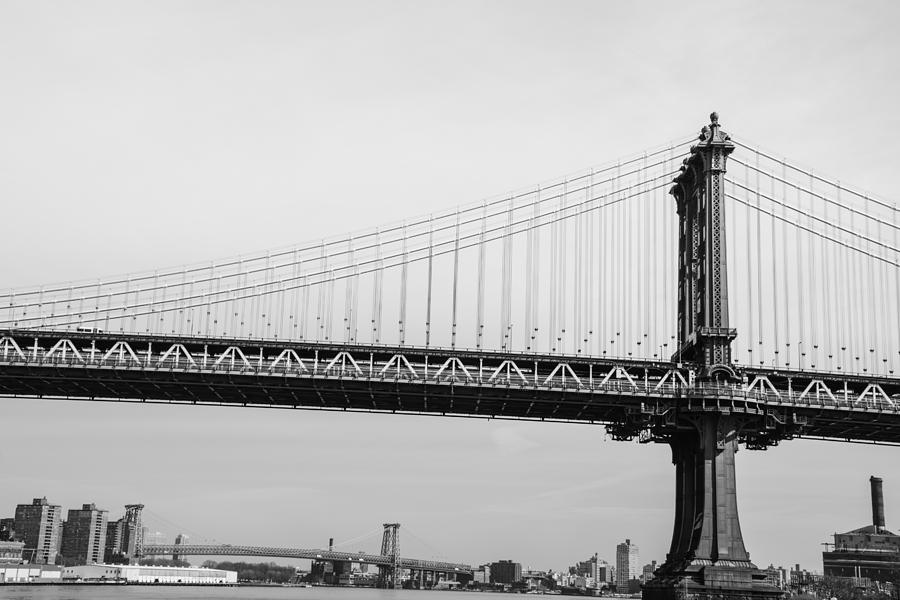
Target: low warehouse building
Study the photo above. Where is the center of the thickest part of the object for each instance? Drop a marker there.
(146, 574)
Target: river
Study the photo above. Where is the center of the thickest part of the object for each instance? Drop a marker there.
(142, 592)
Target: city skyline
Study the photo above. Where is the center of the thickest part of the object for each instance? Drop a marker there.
(149, 130)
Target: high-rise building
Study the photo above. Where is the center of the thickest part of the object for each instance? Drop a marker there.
(594, 568)
(506, 571)
(84, 536)
(124, 537)
(39, 526)
(627, 567)
(648, 572)
(114, 533)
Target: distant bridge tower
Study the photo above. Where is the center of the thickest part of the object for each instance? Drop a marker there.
(135, 526)
(389, 577)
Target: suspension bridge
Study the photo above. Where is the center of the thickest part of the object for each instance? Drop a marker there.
(390, 564)
(762, 308)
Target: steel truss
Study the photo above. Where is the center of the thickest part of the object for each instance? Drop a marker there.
(634, 398)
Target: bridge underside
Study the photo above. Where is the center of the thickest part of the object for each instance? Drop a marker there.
(625, 410)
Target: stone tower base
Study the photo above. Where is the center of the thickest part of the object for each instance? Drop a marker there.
(712, 582)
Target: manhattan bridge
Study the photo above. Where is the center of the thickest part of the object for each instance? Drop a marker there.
(704, 294)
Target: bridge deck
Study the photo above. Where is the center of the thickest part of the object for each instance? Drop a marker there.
(468, 383)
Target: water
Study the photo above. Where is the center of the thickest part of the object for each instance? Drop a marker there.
(140, 592)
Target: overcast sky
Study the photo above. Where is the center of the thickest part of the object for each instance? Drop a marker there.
(136, 135)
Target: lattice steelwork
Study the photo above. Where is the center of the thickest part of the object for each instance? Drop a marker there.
(389, 574)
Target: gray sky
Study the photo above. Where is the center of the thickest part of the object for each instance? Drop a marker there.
(138, 135)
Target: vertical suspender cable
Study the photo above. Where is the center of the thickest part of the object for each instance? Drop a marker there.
(670, 292)
(590, 299)
(207, 313)
(843, 285)
(751, 334)
(455, 281)
(376, 292)
(554, 284)
(775, 295)
(872, 330)
(561, 255)
(759, 303)
(348, 295)
(580, 252)
(504, 285)
(644, 227)
(882, 284)
(151, 316)
(896, 271)
(529, 282)
(190, 317)
(814, 324)
(829, 291)
(320, 306)
(802, 312)
(354, 307)
(279, 323)
(294, 317)
(603, 258)
(403, 274)
(479, 319)
(430, 269)
(268, 290)
(536, 276)
(329, 307)
(859, 306)
(785, 265)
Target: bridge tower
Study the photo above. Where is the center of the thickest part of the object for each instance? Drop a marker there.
(389, 576)
(135, 526)
(699, 191)
(707, 558)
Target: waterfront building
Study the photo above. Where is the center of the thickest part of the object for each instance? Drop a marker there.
(84, 536)
(506, 572)
(868, 554)
(30, 573)
(146, 574)
(39, 525)
(627, 569)
(11, 552)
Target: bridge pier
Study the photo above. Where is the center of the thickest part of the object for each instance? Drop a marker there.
(707, 558)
